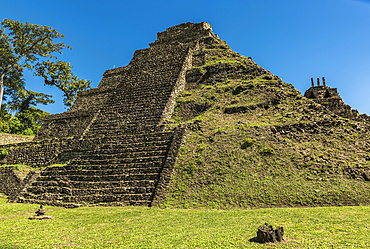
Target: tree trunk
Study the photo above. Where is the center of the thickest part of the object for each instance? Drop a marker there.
(1, 88)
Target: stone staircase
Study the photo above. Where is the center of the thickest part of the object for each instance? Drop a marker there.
(131, 149)
(123, 156)
(123, 171)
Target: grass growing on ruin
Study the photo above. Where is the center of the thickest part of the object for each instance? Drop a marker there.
(257, 142)
(22, 170)
(142, 227)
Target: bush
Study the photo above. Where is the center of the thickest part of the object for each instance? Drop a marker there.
(268, 151)
(248, 142)
(15, 125)
(3, 153)
(28, 132)
(4, 127)
(190, 168)
(17, 167)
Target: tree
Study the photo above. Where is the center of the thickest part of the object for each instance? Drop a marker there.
(31, 46)
(28, 118)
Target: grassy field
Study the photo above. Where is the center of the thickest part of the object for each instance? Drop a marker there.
(142, 227)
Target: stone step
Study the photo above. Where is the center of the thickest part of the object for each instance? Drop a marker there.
(145, 155)
(139, 102)
(109, 161)
(98, 185)
(113, 191)
(130, 199)
(124, 145)
(135, 109)
(98, 178)
(133, 166)
(54, 202)
(101, 172)
(36, 190)
(120, 119)
(145, 198)
(116, 119)
(118, 149)
(150, 105)
(142, 92)
(116, 140)
(126, 122)
(158, 96)
(74, 205)
(138, 138)
(120, 127)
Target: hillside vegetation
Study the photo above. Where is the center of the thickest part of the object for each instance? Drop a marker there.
(255, 141)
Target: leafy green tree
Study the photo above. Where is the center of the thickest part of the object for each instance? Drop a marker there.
(28, 118)
(30, 46)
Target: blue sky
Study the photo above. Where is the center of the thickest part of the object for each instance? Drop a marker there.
(294, 39)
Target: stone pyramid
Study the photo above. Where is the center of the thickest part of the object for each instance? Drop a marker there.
(191, 123)
(111, 147)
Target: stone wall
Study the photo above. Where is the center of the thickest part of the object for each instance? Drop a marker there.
(179, 85)
(184, 33)
(320, 92)
(329, 97)
(91, 99)
(46, 152)
(64, 125)
(10, 181)
(179, 139)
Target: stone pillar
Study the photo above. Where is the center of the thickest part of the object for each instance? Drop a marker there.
(313, 84)
(323, 81)
(318, 81)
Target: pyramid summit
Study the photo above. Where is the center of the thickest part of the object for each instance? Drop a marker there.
(191, 123)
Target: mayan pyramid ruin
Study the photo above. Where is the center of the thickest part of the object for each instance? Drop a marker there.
(190, 122)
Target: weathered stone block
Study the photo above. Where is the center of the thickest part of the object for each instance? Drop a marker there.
(267, 234)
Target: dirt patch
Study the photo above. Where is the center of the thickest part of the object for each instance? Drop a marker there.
(11, 138)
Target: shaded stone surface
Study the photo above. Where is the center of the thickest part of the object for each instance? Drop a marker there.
(41, 211)
(329, 97)
(266, 233)
(366, 175)
(41, 217)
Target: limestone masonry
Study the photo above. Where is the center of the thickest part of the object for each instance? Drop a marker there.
(111, 147)
(329, 97)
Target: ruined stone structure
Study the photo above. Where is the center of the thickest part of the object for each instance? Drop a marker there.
(329, 97)
(116, 145)
(111, 145)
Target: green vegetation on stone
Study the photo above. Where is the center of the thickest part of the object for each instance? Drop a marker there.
(295, 152)
(22, 169)
(248, 142)
(3, 153)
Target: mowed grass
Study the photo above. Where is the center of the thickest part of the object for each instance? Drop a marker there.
(142, 227)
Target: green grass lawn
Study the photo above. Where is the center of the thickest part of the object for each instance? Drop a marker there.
(142, 227)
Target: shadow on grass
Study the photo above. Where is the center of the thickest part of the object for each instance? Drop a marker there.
(255, 240)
